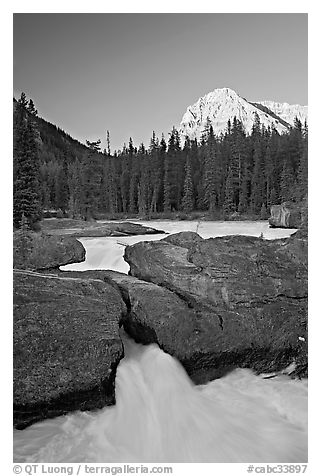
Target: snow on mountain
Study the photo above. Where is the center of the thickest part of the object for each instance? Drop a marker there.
(287, 112)
(224, 104)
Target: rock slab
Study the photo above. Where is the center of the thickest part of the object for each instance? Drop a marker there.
(66, 345)
(245, 300)
(77, 228)
(39, 251)
(290, 215)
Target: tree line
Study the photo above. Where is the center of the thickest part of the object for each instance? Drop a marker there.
(220, 176)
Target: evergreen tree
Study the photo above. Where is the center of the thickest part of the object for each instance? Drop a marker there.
(143, 184)
(133, 188)
(229, 206)
(31, 108)
(108, 143)
(113, 186)
(22, 243)
(155, 173)
(173, 178)
(302, 188)
(161, 167)
(126, 163)
(62, 189)
(258, 180)
(26, 189)
(104, 194)
(237, 158)
(91, 181)
(243, 197)
(76, 189)
(268, 175)
(167, 187)
(273, 200)
(263, 212)
(188, 188)
(211, 182)
(288, 182)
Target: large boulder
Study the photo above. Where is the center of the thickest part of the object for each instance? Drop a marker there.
(225, 271)
(39, 251)
(245, 301)
(154, 314)
(289, 215)
(185, 239)
(66, 345)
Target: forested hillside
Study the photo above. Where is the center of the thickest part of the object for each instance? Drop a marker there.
(217, 175)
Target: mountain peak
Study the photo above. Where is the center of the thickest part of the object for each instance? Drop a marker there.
(286, 111)
(223, 104)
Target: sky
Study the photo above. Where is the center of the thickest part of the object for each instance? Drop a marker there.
(135, 73)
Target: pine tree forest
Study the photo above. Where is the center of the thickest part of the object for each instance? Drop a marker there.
(220, 176)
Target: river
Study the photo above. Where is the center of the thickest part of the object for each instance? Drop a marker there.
(160, 416)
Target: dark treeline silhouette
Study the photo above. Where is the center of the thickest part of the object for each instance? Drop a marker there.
(219, 176)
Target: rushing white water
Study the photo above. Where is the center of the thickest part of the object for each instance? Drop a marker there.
(160, 416)
(107, 253)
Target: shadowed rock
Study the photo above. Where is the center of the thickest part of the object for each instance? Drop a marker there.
(40, 251)
(66, 345)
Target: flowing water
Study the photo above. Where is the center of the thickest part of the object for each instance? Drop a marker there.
(160, 416)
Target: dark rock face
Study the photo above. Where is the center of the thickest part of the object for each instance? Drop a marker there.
(289, 215)
(66, 345)
(41, 251)
(245, 301)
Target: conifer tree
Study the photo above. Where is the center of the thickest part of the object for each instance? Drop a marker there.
(211, 172)
(188, 188)
(108, 143)
(229, 206)
(288, 183)
(302, 189)
(133, 189)
(238, 161)
(22, 243)
(172, 175)
(273, 198)
(143, 184)
(62, 189)
(26, 188)
(258, 180)
(113, 187)
(161, 167)
(126, 164)
(76, 189)
(155, 173)
(243, 201)
(104, 196)
(167, 187)
(268, 174)
(91, 181)
(263, 212)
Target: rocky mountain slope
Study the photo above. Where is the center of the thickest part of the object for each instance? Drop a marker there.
(287, 112)
(224, 104)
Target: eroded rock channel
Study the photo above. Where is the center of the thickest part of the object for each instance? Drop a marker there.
(214, 304)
